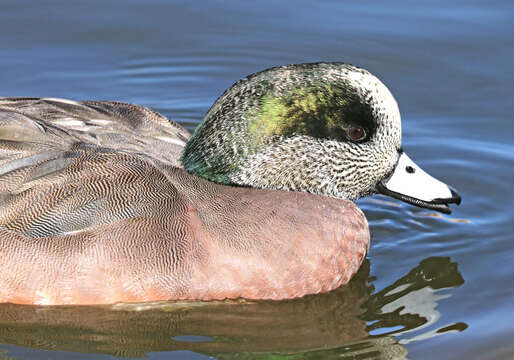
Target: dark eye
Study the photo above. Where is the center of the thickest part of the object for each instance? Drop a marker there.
(356, 133)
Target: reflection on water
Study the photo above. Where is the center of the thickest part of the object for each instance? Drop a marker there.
(410, 303)
(349, 321)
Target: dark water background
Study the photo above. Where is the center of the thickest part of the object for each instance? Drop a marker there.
(434, 286)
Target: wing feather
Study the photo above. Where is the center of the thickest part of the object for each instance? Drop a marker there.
(66, 166)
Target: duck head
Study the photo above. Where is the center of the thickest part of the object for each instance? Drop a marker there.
(325, 128)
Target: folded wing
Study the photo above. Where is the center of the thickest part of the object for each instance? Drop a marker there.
(66, 166)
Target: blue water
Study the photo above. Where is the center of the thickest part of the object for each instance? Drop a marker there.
(433, 287)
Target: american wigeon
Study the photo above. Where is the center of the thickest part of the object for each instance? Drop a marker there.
(104, 202)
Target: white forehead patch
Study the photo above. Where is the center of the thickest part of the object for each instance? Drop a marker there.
(376, 94)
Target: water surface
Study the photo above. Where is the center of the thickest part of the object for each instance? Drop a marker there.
(434, 286)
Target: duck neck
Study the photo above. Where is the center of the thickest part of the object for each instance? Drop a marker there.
(212, 163)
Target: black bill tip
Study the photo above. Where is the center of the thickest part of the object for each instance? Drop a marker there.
(455, 196)
(454, 199)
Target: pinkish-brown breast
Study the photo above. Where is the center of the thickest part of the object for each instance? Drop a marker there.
(283, 245)
(173, 236)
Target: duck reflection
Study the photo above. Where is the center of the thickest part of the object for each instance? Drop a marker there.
(348, 321)
(410, 303)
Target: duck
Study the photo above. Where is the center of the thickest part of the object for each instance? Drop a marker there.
(104, 202)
